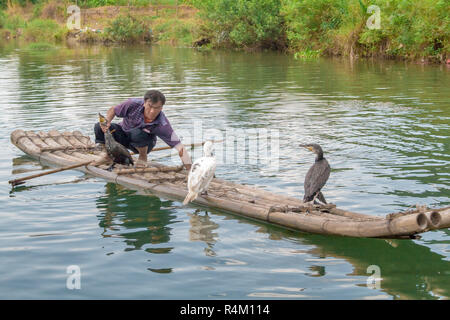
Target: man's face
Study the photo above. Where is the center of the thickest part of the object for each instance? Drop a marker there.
(152, 110)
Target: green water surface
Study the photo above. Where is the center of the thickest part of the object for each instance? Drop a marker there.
(384, 127)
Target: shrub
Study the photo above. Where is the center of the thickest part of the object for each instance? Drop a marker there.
(311, 23)
(14, 23)
(41, 30)
(126, 28)
(246, 23)
(2, 19)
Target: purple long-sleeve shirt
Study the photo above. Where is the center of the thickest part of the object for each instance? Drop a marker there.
(132, 112)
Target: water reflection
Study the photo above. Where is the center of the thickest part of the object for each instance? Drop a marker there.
(409, 270)
(25, 166)
(142, 222)
(201, 229)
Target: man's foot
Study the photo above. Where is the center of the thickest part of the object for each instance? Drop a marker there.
(141, 163)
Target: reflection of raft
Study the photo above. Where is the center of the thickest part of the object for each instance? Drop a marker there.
(63, 149)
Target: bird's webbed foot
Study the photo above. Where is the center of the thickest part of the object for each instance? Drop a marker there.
(321, 198)
(204, 193)
(318, 199)
(319, 202)
(110, 168)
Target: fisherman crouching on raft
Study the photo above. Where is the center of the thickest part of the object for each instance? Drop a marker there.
(143, 121)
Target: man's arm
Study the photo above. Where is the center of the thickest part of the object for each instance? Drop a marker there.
(166, 133)
(184, 156)
(110, 114)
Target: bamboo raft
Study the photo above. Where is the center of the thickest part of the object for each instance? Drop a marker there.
(69, 148)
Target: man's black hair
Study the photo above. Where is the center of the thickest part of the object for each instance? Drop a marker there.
(154, 96)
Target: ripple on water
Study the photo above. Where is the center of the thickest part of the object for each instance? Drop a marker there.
(386, 139)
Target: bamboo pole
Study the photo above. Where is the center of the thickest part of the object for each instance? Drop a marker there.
(353, 215)
(445, 218)
(84, 147)
(401, 226)
(434, 219)
(16, 182)
(192, 145)
(258, 193)
(71, 148)
(146, 170)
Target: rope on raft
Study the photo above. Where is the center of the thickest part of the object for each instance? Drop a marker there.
(151, 169)
(303, 209)
(64, 148)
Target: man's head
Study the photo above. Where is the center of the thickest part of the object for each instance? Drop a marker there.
(153, 103)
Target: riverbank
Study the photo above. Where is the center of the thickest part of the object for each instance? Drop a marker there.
(47, 23)
(307, 29)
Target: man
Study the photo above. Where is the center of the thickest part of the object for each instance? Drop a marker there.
(143, 121)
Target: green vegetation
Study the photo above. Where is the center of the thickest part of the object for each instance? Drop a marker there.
(45, 22)
(40, 46)
(243, 23)
(41, 29)
(93, 3)
(136, 3)
(4, 3)
(408, 29)
(307, 54)
(128, 29)
(173, 30)
(13, 23)
(34, 30)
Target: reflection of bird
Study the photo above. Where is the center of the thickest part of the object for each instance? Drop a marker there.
(317, 175)
(117, 152)
(201, 174)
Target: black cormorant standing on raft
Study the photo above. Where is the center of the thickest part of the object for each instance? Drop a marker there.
(317, 175)
(117, 152)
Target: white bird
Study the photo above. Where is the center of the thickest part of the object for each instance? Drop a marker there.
(201, 174)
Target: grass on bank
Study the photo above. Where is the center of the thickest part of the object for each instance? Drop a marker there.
(45, 22)
(92, 3)
(409, 29)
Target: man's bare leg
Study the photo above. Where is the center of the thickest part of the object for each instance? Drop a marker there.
(142, 160)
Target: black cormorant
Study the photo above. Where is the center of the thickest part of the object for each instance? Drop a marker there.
(317, 175)
(117, 152)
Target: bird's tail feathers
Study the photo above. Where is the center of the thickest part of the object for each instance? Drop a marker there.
(191, 196)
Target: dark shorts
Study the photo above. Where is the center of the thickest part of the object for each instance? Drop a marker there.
(135, 138)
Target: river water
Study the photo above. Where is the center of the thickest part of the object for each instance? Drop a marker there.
(384, 127)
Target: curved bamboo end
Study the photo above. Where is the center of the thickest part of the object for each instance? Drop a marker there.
(16, 134)
(434, 219)
(422, 221)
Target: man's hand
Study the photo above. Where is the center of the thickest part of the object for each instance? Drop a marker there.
(109, 118)
(105, 127)
(184, 156)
